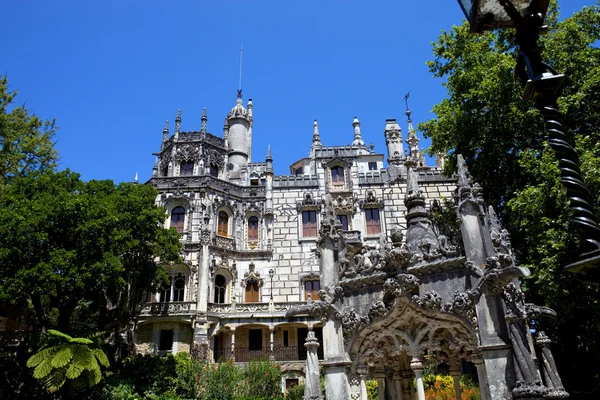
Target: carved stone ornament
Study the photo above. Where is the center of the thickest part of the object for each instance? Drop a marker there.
(308, 202)
(187, 152)
(211, 155)
(399, 285)
(352, 322)
(431, 299)
(377, 310)
(224, 264)
(253, 276)
(371, 201)
(344, 204)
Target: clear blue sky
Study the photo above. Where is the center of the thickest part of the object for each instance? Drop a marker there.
(111, 72)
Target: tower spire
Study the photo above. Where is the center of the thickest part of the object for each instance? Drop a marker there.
(358, 141)
(177, 123)
(203, 119)
(240, 81)
(316, 140)
(165, 132)
(415, 156)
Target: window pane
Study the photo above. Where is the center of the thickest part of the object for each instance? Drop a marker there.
(344, 221)
(186, 168)
(223, 224)
(253, 228)
(178, 218)
(214, 171)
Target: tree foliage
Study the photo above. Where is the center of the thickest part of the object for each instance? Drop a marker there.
(25, 140)
(501, 137)
(75, 359)
(83, 252)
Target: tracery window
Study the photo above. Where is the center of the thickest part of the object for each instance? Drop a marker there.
(174, 290)
(213, 170)
(309, 223)
(373, 221)
(186, 168)
(311, 289)
(220, 289)
(223, 224)
(178, 218)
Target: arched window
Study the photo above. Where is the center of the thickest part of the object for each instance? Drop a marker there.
(252, 292)
(179, 288)
(174, 290)
(311, 289)
(337, 175)
(223, 224)
(213, 170)
(373, 221)
(343, 218)
(220, 289)
(178, 218)
(253, 229)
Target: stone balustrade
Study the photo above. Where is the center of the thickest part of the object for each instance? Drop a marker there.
(172, 308)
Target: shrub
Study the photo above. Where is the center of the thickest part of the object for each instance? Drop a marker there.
(295, 393)
(261, 379)
(220, 381)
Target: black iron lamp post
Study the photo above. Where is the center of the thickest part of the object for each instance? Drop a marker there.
(271, 274)
(543, 86)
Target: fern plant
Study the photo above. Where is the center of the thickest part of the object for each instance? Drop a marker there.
(76, 359)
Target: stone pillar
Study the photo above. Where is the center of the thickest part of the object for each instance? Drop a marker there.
(312, 385)
(416, 365)
(380, 376)
(407, 388)
(200, 347)
(484, 388)
(455, 371)
(233, 344)
(272, 343)
(363, 371)
(551, 377)
(398, 386)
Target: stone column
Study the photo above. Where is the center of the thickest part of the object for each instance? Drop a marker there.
(312, 385)
(551, 377)
(272, 343)
(416, 365)
(477, 359)
(380, 376)
(398, 385)
(407, 388)
(455, 371)
(200, 347)
(363, 371)
(233, 344)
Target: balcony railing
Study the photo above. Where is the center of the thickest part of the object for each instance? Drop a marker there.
(280, 353)
(252, 307)
(351, 236)
(172, 308)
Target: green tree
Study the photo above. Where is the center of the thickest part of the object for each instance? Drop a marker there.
(75, 359)
(84, 252)
(25, 140)
(501, 137)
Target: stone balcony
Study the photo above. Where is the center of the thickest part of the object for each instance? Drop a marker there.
(183, 308)
(352, 237)
(252, 308)
(279, 353)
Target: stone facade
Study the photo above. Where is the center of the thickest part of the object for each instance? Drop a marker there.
(344, 263)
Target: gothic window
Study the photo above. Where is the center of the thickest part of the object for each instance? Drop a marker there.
(220, 289)
(213, 170)
(186, 168)
(373, 221)
(252, 292)
(174, 290)
(337, 175)
(372, 166)
(223, 224)
(343, 218)
(309, 223)
(253, 229)
(311, 289)
(178, 218)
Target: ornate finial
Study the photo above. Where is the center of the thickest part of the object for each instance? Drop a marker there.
(316, 141)
(372, 147)
(203, 119)
(165, 132)
(358, 141)
(407, 109)
(135, 180)
(239, 94)
(178, 123)
(416, 157)
(269, 157)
